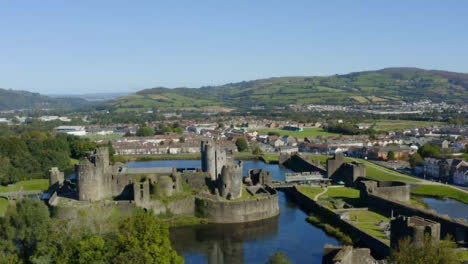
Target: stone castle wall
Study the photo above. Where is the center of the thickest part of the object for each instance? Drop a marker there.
(297, 163)
(379, 248)
(242, 211)
(392, 190)
(458, 230)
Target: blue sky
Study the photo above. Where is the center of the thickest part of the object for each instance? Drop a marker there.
(114, 46)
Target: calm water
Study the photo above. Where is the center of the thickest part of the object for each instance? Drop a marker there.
(250, 242)
(453, 208)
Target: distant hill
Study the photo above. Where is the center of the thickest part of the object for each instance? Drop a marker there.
(13, 99)
(390, 85)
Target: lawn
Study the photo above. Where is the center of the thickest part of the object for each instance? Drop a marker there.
(377, 172)
(342, 192)
(3, 206)
(335, 194)
(308, 132)
(31, 185)
(386, 125)
(373, 171)
(104, 137)
(441, 191)
(309, 191)
(269, 158)
(367, 221)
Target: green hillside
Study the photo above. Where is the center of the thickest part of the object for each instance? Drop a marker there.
(391, 85)
(13, 99)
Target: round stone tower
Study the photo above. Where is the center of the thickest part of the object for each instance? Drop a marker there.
(230, 181)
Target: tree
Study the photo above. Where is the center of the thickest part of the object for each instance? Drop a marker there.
(179, 130)
(278, 258)
(256, 150)
(26, 226)
(273, 133)
(391, 155)
(145, 131)
(441, 252)
(182, 140)
(415, 159)
(111, 150)
(144, 236)
(241, 144)
(428, 150)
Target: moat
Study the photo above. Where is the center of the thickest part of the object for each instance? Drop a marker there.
(250, 242)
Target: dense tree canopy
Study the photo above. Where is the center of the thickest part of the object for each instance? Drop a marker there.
(33, 153)
(241, 144)
(29, 235)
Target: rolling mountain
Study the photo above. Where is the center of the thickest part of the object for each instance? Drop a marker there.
(390, 85)
(13, 99)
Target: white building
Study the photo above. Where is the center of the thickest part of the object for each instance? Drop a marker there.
(71, 130)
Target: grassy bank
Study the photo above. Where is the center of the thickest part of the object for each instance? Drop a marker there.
(441, 192)
(270, 158)
(309, 191)
(30, 185)
(317, 221)
(373, 171)
(387, 125)
(368, 221)
(3, 206)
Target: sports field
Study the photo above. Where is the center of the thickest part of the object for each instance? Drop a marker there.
(308, 132)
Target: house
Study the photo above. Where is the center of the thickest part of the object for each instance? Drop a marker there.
(288, 149)
(363, 126)
(289, 140)
(460, 176)
(381, 153)
(277, 143)
(431, 168)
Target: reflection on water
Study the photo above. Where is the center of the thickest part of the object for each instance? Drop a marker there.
(249, 242)
(453, 208)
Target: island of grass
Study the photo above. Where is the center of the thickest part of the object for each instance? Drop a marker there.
(369, 222)
(307, 132)
(441, 192)
(309, 191)
(336, 196)
(29, 185)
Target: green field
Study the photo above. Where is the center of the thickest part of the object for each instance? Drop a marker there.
(104, 137)
(386, 125)
(377, 172)
(3, 206)
(31, 185)
(373, 171)
(341, 192)
(440, 191)
(309, 191)
(367, 221)
(308, 132)
(270, 158)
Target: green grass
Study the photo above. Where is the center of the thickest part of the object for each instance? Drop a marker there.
(30, 185)
(367, 220)
(270, 158)
(3, 206)
(440, 191)
(309, 191)
(386, 125)
(377, 172)
(104, 137)
(308, 132)
(373, 171)
(342, 192)
(316, 220)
